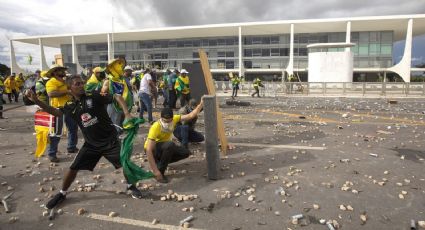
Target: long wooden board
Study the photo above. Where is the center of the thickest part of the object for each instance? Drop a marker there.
(211, 91)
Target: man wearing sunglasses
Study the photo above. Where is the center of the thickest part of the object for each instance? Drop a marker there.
(58, 94)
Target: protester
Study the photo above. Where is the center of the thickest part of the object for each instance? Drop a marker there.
(146, 84)
(182, 88)
(159, 147)
(89, 111)
(185, 131)
(58, 94)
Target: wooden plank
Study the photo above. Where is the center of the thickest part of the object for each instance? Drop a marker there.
(211, 91)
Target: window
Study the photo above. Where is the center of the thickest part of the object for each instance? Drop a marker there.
(230, 41)
(256, 40)
(204, 42)
(284, 51)
(188, 43)
(387, 37)
(164, 44)
(265, 52)
(248, 64)
(230, 54)
(196, 43)
(256, 52)
(212, 42)
(221, 54)
(266, 40)
(364, 37)
(363, 49)
(156, 44)
(248, 40)
(386, 49)
(180, 43)
(172, 43)
(303, 52)
(374, 37)
(274, 40)
(248, 52)
(221, 42)
(274, 52)
(374, 49)
(195, 55)
(230, 64)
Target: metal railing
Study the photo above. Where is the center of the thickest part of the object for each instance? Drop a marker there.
(377, 89)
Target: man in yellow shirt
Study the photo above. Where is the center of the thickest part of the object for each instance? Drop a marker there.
(182, 88)
(10, 88)
(58, 94)
(159, 147)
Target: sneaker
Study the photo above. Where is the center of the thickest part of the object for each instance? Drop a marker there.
(137, 194)
(54, 159)
(57, 199)
(74, 150)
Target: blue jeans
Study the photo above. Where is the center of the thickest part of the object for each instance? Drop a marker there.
(72, 135)
(147, 104)
(186, 135)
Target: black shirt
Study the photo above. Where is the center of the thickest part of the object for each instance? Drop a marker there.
(90, 114)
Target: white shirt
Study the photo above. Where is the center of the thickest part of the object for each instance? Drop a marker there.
(144, 84)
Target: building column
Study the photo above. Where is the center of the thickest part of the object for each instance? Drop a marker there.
(290, 67)
(110, 48)
(43, 62)
(348, 35)
(14, 68)
(403, 68)
(241, 67)
(74, 50)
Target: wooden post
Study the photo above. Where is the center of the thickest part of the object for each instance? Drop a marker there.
(211, 91)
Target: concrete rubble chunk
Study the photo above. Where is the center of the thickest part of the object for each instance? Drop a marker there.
(342, 207)
(421, 224)
(113, 214)
(81, 211)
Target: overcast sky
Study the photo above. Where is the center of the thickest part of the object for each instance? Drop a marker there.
(47, 17)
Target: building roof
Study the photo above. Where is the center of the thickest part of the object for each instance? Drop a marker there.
(396, 23)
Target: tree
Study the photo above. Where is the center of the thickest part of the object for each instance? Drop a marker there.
(4, 70)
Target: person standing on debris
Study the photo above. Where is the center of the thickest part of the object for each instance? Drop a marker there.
(171, 91)
(100, 136)
(185, 131)
(165, 80)
(58, 94)
(235, 85)
(159, 147)
(182, 88)
(119, 86)
(11, 88)
(257, 83)
(95, 82)
(145, 95)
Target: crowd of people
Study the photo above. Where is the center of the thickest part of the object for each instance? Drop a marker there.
(100, 107)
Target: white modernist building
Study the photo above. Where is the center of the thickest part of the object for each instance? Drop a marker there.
(358, 46)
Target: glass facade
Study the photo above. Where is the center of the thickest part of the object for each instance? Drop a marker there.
(373, 49)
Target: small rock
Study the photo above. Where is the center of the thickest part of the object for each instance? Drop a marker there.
(36, 199)
(154, 221)
(322, 221)
(51, 225)
(349, 208)
(401, 196)
(251, 198)
(191, 209)
(81, 211)
(60, 211)
(404, 192)
(13, 219)
(421, 224)
(9, 188)
(342, 207)
(186, 225)
(277, 213)
(113, 214)
(363, 218)
(316, 206)
(45, 213)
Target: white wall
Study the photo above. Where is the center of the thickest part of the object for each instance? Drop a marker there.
(330, 67)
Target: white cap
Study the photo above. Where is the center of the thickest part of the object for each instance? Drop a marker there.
(184, 71)
(128, 68)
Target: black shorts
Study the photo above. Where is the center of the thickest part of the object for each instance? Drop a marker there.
(88, 156)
